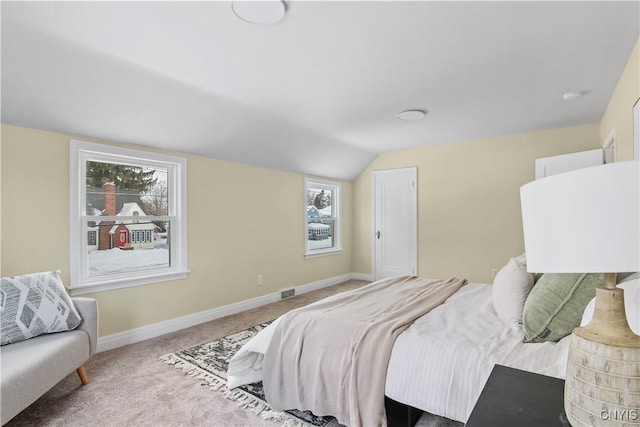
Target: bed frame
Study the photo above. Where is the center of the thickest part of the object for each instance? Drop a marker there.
(401, 415)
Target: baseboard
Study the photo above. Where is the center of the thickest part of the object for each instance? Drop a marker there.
(142, 333)
(319, 284)
(362, 276)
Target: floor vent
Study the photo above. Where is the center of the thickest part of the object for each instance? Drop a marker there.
(287, 293)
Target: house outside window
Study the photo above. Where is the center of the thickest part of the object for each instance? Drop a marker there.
(128, 217)
(322, 217)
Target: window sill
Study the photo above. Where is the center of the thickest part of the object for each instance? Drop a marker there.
(109, 285)
(322, 253)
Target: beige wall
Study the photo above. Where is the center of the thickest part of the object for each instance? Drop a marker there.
(468, 214)
(618, 114)
(468, 200)
(469, 218)
(242, 221)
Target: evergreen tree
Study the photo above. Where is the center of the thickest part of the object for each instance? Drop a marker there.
(123, 176)
(319, 201)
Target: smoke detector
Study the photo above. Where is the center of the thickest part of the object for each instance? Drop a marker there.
(571, 96)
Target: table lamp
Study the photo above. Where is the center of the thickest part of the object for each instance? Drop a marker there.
(587, 221)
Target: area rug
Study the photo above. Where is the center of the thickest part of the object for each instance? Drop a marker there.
(208, 362)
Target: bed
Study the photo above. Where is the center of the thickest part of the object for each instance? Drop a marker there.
(440, 363)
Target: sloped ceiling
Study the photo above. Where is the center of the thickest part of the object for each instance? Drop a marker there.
(318, 92)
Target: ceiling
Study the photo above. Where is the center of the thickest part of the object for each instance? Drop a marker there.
(318, 92)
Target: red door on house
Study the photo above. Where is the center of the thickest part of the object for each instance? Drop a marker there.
(122, 238)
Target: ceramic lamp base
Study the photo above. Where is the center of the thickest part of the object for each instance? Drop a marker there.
(602, 386)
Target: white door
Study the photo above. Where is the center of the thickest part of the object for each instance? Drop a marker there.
(395, 222)
(548, 166)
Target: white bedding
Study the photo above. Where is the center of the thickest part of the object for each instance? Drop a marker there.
(441, 363)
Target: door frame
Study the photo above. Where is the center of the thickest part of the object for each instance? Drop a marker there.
(414, 169)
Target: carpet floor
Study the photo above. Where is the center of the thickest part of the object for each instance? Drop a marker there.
(130, 386)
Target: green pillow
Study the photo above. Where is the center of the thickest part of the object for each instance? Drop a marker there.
(556, 303)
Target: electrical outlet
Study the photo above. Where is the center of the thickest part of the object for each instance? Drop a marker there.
(259, 280)
(494, 272)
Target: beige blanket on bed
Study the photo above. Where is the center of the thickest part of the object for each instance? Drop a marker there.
(331, 357)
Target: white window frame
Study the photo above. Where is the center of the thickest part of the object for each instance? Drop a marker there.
(80, 153)
(336, 202)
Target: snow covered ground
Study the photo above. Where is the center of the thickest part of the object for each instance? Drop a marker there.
(113, 261)
(321, 244)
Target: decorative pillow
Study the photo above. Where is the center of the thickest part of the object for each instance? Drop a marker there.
(631, 286)
(556, 303)
(511, 287)
(35, 304)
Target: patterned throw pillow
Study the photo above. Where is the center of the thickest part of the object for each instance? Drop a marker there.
(35, 304)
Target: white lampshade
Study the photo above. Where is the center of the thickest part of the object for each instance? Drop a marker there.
(587, 221)
(583, 221)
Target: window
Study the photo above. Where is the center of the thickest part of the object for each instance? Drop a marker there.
(141, 236)
(92, 238)
(128, 217)
(322, 217)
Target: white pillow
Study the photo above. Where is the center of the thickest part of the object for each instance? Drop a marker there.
(511, 287)
(631, 286)
(35, 304)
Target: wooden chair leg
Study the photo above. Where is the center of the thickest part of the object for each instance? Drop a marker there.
(82, 373)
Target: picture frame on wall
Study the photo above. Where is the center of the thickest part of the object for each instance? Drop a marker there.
(636, 130)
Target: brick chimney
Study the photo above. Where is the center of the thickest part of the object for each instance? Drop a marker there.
(109, 198)
(109, 210)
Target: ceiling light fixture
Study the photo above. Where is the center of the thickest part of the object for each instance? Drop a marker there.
(411, 115)
(571, 96)
(263, 12)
